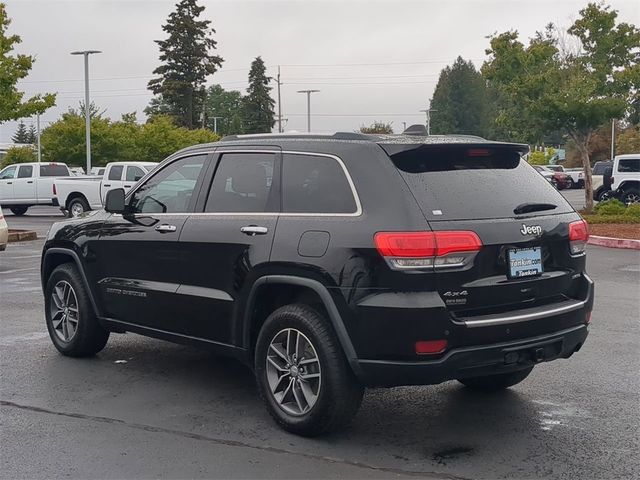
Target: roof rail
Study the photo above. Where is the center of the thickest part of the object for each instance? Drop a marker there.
(335, 135)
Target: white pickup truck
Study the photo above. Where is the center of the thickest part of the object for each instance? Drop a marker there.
(77, 195)
(27, 184)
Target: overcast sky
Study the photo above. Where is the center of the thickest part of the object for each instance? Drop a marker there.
(372, 60)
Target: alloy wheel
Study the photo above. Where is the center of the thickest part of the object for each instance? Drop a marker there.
(631, 197)
(76, 210)
(64, 311)
(293, 372)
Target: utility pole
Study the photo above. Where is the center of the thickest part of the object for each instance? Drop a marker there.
(38, 137)
(215, 123)
(279, 103)
(428, 113)
(308, 92)
(613, 137)
(404, 126)
(87, 112)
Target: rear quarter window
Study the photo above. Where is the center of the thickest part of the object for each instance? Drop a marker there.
(629, 165)
(458, 183)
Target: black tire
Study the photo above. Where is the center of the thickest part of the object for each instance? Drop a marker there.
(569, 185)
(19, 210)
(339, 395)
(89, 337)
(77, 206)
(605, 195)
(491, 383)
(630, 196)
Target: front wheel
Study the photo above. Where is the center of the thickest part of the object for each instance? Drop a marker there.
(71, 321)
(496, 382)
(302, 374)
(19, 210)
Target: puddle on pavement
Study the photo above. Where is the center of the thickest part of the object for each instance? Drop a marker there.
(553, 415)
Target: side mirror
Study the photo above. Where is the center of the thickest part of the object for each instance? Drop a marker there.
(114, 201)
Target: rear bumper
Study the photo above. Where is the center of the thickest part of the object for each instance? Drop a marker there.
(55, 202)
(475, 361)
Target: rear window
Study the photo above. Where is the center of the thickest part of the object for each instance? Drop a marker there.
(54, 171)
(600, 167)
(629, 165)
(460, 183)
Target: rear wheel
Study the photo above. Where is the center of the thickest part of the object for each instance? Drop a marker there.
(302, 374)
(605, 195)
(78, 206)
(569, 184)
(19, 210)
(631, 196)
(71, 321)
(496, 382)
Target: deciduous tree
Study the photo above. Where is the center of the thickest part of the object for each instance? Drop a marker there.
(547, 91)
(377, 127)
(12, 69)
(228, 106)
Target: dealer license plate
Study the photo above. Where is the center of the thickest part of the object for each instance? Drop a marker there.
(524, 262)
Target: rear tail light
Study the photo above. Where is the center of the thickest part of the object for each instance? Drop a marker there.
(426, 250)
(430, 347)
(612, 180)
(578, 236)
(55, 192)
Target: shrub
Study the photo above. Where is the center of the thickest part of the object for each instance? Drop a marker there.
(610, 207)
(633, 210)
(18, 155)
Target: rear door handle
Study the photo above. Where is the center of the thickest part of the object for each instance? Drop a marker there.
(30, 181)
(9, 183)
(254, 230)
(127, 186)
(107, 185)
(164, 228)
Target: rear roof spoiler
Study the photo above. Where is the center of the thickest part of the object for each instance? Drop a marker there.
(395, 148)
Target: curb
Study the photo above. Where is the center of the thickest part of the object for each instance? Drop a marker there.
(22, 235)
(614, 242)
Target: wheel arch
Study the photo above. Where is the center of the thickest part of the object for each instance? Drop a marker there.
(53, 258)
(629, 184)
(72, 196)
(299, 288)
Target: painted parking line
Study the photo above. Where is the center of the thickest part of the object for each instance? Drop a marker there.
(20, 270)
(27, 337)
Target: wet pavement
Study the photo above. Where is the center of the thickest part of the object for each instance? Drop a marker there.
(146, 408)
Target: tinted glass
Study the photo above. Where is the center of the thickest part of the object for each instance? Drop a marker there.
(243, 183)
(629, 165)
(599, 167)
(134, 173)
(25, 171)
(171, 189)
(115, 173)
(8, 173)
(315, 184)
(449, 184)
(54, 171)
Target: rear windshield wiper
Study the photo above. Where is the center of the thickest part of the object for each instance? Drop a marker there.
(533, 207)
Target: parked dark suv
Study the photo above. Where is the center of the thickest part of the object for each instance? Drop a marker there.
(331, 263)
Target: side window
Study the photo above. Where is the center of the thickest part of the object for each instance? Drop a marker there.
(315, 184)
(115, 173)
(8, 173)
(134, 173)
(629, 165)
(171, 189)
(243, 183)
(25, 171)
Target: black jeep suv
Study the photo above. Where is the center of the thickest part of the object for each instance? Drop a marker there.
(331, 263)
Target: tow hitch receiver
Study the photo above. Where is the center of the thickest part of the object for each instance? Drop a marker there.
(533, 353)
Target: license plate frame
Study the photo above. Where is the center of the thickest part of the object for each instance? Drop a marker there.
(524, 262)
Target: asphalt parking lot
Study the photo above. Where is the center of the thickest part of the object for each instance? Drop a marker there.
(146, 408)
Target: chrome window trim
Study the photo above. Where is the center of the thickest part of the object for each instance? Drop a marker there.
(354, 192)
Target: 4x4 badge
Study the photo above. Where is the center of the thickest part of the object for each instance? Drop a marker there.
(531, 230)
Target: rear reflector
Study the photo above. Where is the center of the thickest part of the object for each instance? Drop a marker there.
(430, 347)
(578, 236)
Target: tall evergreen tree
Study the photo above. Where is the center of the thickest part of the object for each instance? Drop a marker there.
(32, 135)
(259, 115)
(187, 60)
(22, 134)
(460, 99)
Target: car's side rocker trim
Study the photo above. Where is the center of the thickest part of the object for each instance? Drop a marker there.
(327, 300)
(76, 259)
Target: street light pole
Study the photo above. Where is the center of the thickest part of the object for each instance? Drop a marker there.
(428, 112)
(38, 138)
(87, 114)
(308, 92)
